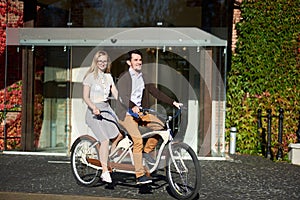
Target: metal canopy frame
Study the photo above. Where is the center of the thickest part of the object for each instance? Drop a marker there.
(150, 36)
(126, 37)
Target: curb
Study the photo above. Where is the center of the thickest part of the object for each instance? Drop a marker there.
(37, 196)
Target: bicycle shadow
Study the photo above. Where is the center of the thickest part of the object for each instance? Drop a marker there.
(129, 180)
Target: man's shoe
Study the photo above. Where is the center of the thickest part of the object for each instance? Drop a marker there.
(149, 158)
(106, 177)
(143, 180)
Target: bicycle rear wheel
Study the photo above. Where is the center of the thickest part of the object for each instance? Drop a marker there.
(183, 173)
(85, 148)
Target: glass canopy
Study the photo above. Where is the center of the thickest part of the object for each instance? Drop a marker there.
(187, 63)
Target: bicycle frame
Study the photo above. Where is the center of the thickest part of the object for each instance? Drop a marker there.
(125, 145)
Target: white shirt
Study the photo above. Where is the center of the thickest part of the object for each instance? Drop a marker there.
(138, 86)
(99, 87)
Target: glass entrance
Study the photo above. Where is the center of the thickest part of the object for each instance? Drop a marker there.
(56, 86)
(188, 74)
(188, 64)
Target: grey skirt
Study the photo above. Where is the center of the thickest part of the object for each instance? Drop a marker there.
(102, 128)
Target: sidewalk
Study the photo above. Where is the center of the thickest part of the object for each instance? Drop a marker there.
(35, 196)
(241, 177)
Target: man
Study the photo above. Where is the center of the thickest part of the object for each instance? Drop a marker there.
(134, 91)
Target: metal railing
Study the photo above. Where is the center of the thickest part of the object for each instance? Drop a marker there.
(6, 125)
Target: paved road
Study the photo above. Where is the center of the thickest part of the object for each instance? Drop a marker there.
(241, 177)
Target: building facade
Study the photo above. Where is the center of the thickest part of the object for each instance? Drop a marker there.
(185, 46)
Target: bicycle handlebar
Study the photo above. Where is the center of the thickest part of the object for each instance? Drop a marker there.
(135, 115)
(144, 110)
(168, 119)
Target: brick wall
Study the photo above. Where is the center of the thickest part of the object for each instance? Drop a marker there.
(236, 19)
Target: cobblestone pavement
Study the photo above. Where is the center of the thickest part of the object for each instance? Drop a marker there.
(241, 177)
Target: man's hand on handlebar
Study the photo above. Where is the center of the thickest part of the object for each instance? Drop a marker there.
(177, 104)
(135, 109)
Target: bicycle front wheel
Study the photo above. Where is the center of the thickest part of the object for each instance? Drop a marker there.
(183, 171)
(85, 148)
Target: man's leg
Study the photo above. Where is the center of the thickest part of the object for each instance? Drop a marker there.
(132, 128)
(155, 124)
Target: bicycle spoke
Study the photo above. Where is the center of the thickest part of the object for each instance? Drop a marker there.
(85, 148)
(183, 172)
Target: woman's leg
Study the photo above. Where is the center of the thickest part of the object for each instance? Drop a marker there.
(104, 149)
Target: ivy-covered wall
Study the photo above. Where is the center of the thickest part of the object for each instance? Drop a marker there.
(265, 73)
(11, 15)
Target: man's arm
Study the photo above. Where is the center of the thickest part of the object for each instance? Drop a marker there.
(158, 94)
(154, 91)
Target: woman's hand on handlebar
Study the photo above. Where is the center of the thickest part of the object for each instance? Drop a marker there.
(96, 111)
(177, 104)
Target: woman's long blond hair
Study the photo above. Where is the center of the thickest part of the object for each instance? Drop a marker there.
(93, 68)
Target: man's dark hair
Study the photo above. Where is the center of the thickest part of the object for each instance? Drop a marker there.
(133, 52)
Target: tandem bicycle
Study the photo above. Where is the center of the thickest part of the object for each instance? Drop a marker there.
(180, 162)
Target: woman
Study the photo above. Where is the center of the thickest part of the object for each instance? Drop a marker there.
(97, 85)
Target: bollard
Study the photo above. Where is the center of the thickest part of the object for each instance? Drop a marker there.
(233, 132)
(269, 153)
(280, 128)
(261, 132)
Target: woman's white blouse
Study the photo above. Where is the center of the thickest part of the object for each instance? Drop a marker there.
(99, 87)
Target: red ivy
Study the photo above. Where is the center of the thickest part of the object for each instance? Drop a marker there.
(15, 19)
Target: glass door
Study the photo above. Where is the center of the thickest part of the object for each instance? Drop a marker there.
(56, 92)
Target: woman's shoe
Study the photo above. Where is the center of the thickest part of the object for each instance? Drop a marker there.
(105, 176)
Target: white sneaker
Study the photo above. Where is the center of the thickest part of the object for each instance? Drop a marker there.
(105, 176)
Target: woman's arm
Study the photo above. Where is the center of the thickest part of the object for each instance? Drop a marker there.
(87, 100)
(114, 91)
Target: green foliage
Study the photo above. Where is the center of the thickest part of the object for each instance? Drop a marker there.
(265, 72)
